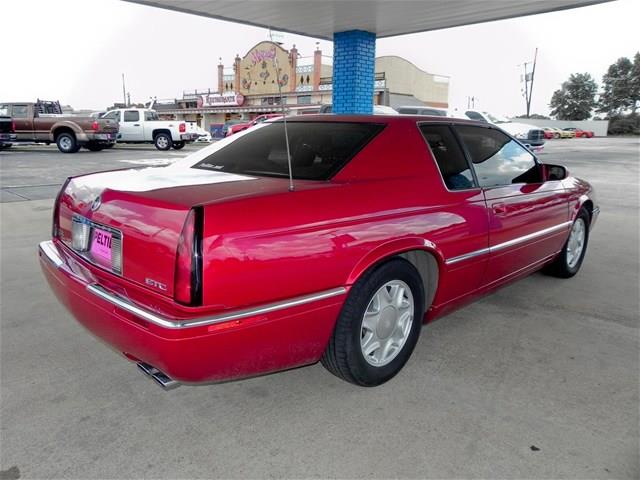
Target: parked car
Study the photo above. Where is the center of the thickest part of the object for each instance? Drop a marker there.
(43, 122)
(525, 132)
(578, 132)
(550, 132)
(564, 133)
(228, 124)
(213, 268)
(142, 125)
(238, 127)
(204, 137)
(422, 110)
(7, 128)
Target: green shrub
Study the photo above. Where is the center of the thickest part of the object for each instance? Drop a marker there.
(624, 124)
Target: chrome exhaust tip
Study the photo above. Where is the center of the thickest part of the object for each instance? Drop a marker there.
(159, 377)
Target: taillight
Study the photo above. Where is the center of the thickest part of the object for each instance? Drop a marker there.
(188, 277)
(182, 128)
(55, 227)
(13, 126)
(95, 126)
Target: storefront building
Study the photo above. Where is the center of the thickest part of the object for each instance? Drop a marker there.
(268, 73)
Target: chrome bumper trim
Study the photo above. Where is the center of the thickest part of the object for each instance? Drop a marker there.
(50, 253)
(164, 322)
(510, 243)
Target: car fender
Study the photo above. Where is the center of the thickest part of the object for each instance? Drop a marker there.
(67, 124)
(430, 271)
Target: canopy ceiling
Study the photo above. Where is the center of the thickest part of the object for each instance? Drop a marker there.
(386, 18)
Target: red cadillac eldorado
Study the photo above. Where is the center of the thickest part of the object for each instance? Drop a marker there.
(213, 268)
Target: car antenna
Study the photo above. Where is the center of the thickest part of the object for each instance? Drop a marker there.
(284, 117)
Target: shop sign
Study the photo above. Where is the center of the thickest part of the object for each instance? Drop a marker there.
(216, 100)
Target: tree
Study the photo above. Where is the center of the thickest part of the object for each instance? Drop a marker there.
(575, 99)
(635, 83)
(617, 88)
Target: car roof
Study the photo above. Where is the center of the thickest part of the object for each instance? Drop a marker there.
(387, 119)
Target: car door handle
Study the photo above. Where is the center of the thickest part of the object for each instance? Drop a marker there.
(499, 208)
(136, 124)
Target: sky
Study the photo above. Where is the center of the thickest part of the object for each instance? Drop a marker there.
(76, 51)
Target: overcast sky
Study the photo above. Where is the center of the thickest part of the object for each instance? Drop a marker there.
(76, 51)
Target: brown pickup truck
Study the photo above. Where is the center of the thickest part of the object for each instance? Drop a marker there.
(43, 122)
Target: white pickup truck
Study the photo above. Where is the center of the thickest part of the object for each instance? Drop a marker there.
(142, 125)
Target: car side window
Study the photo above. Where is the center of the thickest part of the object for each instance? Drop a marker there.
(19, 111)
(131, 116)
(475, 116)
(497, 158)
(451, 161)
(113, 115)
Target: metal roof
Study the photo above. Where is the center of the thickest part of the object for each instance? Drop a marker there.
(386, 18)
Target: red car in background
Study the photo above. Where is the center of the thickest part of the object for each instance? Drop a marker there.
(579, 132)
(238, 127)
(213, 268)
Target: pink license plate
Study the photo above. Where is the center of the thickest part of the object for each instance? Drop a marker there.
(101, 246)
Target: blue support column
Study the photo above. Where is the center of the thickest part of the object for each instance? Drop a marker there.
(354, 64)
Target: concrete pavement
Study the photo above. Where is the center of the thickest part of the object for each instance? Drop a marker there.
(539, 380)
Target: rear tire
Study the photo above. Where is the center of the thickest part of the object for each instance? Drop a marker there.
(162, 141)
(178, 145)
(67, 143)
(378, 326)
(569, 260)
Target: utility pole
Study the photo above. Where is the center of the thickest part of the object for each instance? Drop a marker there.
(533, 73)
(124, 92)
(529, 77)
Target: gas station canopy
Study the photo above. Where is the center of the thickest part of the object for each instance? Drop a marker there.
(354, 26)
(384, 18)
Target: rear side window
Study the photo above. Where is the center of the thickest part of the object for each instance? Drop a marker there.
(498, 159)
(408, 111)
(131, 116)
(113, 115)
(19, 111)
(452, 164)
(318, 149)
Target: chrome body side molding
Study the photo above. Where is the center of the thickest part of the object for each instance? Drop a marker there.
(510, 243)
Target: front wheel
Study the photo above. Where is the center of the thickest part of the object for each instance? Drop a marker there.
(67, 143)
(569, 261)
(178, 145)
(378, 326)
(162, 141)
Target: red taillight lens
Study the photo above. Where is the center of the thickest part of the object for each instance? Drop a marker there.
(55, 225)
(182, 127)
(95, 126)
(188, 276)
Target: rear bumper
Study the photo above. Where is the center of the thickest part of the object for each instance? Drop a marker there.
(225, 346)
(189, 137)
(102, 137)
(8, 137)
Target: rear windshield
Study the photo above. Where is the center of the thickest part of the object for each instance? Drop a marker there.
(318, 149)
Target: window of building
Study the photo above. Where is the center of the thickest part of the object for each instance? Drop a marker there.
(304, 99)
(131, 116)
(451, 161)
(318, 149)
(497, 159)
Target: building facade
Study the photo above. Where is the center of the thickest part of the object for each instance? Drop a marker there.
(269, 78)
